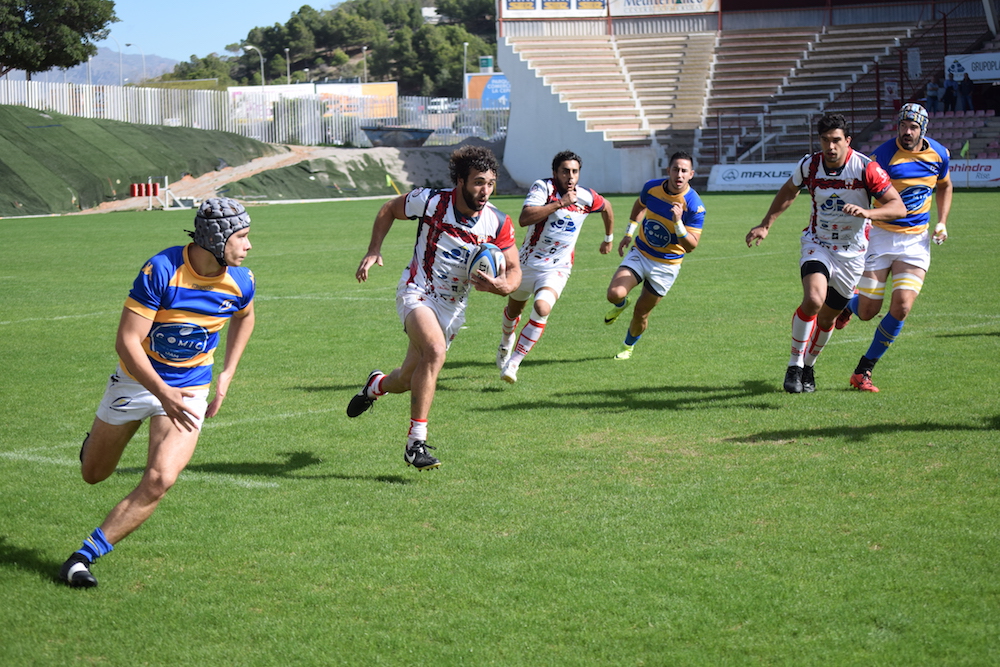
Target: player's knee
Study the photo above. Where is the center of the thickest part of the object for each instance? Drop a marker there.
(616, 294)
(156, 483)
(544, 301)
(434, 354)
(93, 475)
(867, 309)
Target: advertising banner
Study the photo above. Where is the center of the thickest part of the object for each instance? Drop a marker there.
(768, 177)
(974, 173)
(554, 9)
(563, 9)
(749, 177)
(492, 90)
(621, 8)
(981, 67)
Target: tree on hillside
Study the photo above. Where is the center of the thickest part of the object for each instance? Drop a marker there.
(37, 35)
(389, 36)
(476, 15)
(209, 67)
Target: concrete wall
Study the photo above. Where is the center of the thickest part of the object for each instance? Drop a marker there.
(540, 126)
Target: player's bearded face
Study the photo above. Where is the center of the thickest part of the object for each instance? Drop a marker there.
(567, 176)
(476, 190)
(909, 134)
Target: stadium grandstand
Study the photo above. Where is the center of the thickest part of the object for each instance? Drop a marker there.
(627, 83)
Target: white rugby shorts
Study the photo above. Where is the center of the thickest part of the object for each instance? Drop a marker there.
(534, 279)
(450, 314)
(659, 277)
(125, 400)
(845, 270)
(885, 247)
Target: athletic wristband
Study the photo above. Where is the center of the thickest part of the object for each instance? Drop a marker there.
(680, 231)
(609, 238)
(632, 226)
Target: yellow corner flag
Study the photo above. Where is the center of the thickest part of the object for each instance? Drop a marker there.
(965, 149)
(388, 181)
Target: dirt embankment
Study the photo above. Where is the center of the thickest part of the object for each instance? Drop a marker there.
(406, 165)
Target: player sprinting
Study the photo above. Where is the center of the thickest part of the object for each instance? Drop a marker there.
(166, 341)
(918, 167)
(554, 211)
(669, 216)
(432, 291)
(842, 183)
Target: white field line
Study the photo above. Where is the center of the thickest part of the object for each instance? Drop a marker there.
(61, 317)
(29, 455)
(25, 455)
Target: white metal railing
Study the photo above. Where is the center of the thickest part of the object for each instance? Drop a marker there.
(305, 120)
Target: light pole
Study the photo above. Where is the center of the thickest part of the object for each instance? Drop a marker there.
(465, 60)
(120, 79)
(307, 75)
(89, 82)
(288, 68)
(251, 46)
(364, 58)
(143, 60)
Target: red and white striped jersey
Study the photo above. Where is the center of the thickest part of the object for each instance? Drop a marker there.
(860, 179)
(550, 243)
(446, 239)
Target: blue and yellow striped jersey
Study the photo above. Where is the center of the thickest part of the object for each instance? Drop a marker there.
(655, 238)
(188, 310)
(915, 174)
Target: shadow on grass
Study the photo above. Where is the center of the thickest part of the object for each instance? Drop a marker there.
(862, 433)
(14, 557)
(968, 335)
(650, 398)
(295, 461)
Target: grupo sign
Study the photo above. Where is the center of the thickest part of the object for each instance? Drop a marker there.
(749, 177)
(980, 67)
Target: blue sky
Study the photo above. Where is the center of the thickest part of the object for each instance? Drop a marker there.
(182, 28)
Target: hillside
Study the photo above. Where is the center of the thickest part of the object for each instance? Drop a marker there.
(50, 163)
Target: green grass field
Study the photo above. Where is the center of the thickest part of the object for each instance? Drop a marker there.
(676, 509)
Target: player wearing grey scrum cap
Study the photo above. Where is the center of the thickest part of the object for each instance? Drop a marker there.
(218, 219)
(166, 341)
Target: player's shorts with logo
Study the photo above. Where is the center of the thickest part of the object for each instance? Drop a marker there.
(125, 400)
(885, 247)
(450, 314)
(534, 279)
(659, 277)
(845, 269)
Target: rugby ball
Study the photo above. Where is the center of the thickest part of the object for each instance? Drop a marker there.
(487, 258)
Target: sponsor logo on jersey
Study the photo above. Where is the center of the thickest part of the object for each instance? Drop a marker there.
(833, 203)
(178, 342)
(657, 235)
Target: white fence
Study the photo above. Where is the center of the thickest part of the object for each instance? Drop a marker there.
(307, 120)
